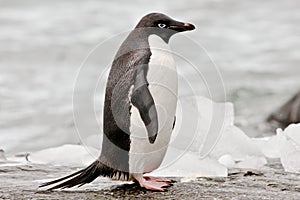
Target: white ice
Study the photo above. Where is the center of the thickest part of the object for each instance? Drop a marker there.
(284, 145)
(66, 155)
(290, 148)
(214, 134)
(179, 163)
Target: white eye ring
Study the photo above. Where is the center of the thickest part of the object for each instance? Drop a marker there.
(162, 25)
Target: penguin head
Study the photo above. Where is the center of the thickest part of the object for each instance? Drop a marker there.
(163, 26)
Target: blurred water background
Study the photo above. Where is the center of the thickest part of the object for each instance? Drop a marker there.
(256, 45)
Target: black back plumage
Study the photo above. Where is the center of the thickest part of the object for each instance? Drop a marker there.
(134, 53)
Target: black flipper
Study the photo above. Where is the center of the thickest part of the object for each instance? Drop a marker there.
(142, 99)
(86, 175)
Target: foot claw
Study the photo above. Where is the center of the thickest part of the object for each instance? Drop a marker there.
(155, 183)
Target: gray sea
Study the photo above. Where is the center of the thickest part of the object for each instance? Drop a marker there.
(249, 49)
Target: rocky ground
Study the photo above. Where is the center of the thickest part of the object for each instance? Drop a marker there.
(21, 182)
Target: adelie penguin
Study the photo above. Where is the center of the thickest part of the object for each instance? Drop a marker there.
(139, 109)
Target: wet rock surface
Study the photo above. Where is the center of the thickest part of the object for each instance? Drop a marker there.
(287, 114)
(21, 182)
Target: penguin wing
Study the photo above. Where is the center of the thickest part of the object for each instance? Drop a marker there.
(142, 99)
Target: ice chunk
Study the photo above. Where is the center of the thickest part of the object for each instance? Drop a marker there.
(66, 155)
(291, 161)
(290, 150)
(236, 143)
(249, 162)
(270, 146)
(227, 160)
(285, 145)
(215, 134)
(178, 163)
(293, 133)
(199, 122)
(252, 162)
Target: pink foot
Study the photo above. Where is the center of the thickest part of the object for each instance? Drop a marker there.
(154, 183)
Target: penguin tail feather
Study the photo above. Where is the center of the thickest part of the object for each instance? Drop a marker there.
(84, 176)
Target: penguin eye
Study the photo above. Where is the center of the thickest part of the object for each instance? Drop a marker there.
(162, 25)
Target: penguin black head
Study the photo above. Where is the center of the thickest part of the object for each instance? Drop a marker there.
(163, 26)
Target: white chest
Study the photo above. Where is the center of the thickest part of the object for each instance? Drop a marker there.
(162, 69)
(163, 84)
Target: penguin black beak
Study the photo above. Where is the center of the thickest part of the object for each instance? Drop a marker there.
(180, 27)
